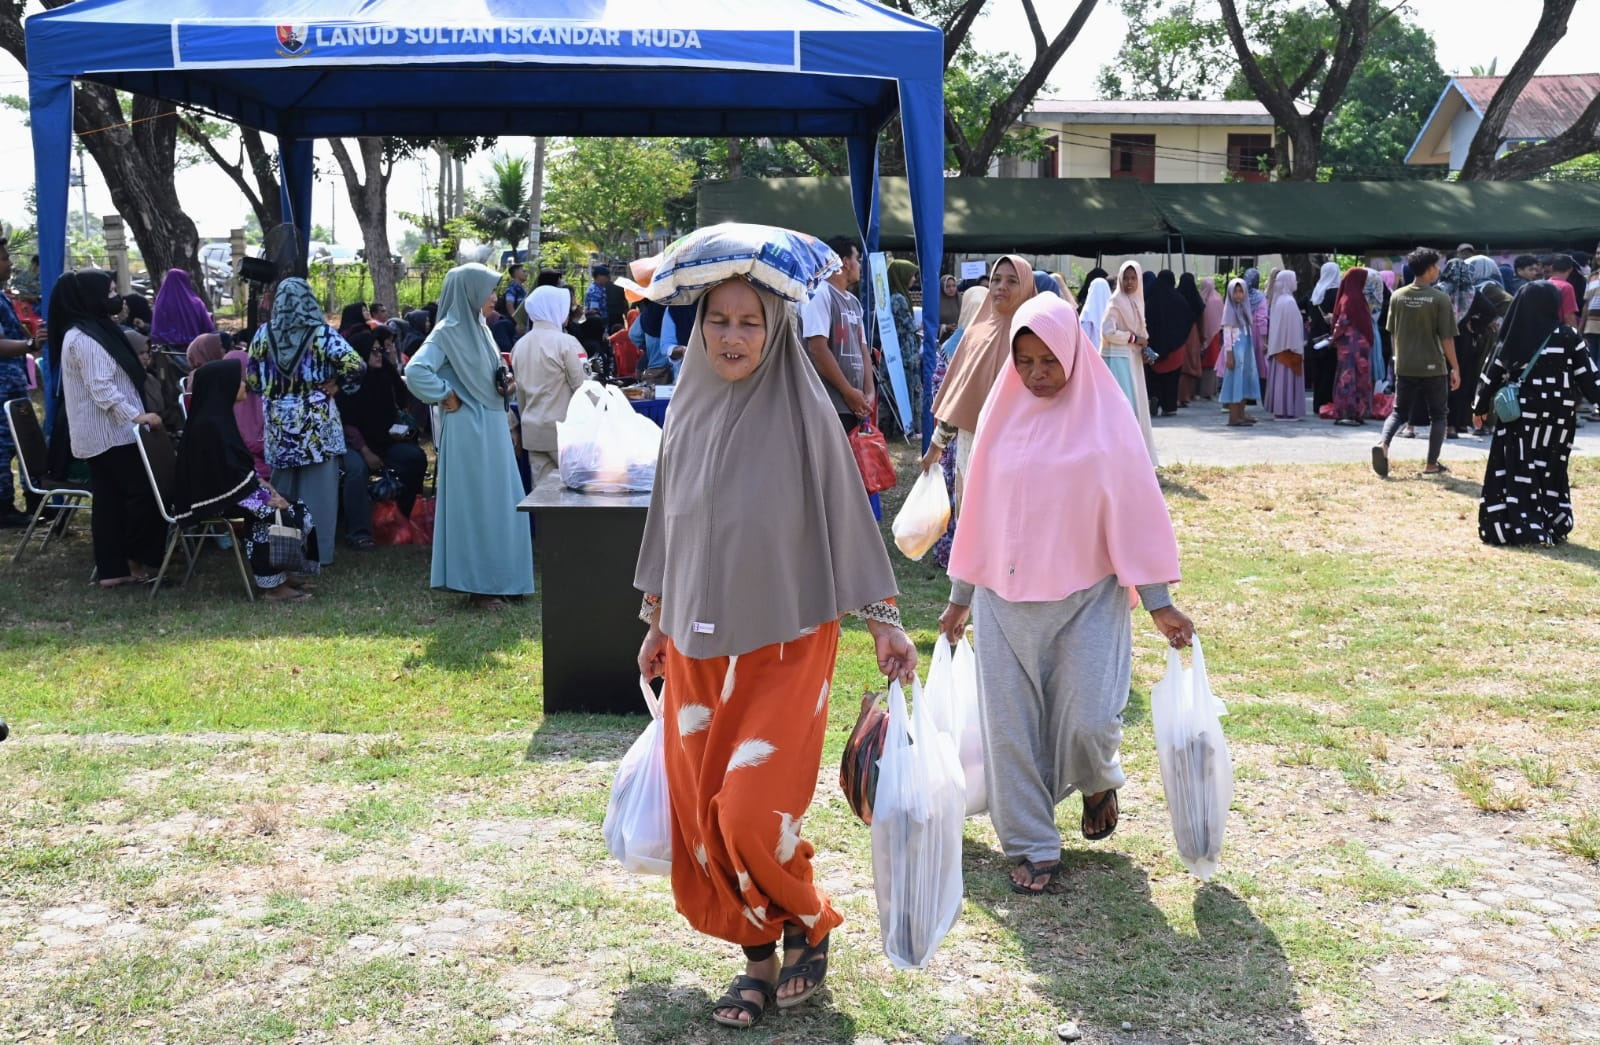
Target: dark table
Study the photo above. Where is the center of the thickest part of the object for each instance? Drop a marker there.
(588, 545)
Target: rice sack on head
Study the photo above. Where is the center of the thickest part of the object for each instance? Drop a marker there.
(786, 263)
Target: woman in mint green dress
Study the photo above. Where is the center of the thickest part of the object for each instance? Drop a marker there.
(480, 545)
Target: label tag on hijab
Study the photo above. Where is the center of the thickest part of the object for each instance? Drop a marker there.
(702, 628)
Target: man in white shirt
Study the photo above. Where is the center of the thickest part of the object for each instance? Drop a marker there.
(831, 324)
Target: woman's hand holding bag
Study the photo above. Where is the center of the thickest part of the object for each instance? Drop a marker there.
(1196, 767)
(638, 824)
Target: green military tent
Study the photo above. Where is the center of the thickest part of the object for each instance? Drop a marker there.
(1097, 216)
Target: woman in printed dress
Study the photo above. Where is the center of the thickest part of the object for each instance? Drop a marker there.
(756, 544)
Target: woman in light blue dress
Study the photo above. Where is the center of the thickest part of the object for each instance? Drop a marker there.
(480, 546)
(1241, 380)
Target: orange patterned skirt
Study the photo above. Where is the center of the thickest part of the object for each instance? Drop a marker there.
(743, 746)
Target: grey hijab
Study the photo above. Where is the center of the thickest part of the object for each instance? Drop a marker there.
(296, 315)
(759, 528)
(462, 335)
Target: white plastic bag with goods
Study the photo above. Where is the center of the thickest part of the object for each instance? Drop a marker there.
(638, 824)
(604, 445)
(1196, 768)
(951, 696)
(924, 516)
(916, 834)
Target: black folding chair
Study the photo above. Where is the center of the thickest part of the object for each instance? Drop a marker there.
(64, 497)
(160, 463)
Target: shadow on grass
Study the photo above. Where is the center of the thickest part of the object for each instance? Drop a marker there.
(1577, 554)
(587, 738)
(1105, 953)
(1174, 488)
(664, 1012)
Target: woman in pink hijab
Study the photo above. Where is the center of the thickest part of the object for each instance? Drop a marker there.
(1064, 522)
(251, 416)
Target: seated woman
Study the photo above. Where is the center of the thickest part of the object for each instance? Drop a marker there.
(215, 476)
(369, 414)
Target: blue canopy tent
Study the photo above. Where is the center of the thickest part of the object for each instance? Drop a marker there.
(352, 68)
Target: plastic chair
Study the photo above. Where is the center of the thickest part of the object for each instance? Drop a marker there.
(183, 403)
(160, 463)
(68, 499)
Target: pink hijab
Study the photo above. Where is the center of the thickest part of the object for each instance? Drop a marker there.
(1211, 322)
(1387, 275)
(251, 418)
(1059, 492)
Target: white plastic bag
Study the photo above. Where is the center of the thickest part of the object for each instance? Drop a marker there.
(604, 445)
(638, 824)
(924, 516)
(951, 697)
(1196, 768)
(916, 834)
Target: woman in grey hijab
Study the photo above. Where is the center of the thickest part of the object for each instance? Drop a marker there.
(758, 541)
(297, 363)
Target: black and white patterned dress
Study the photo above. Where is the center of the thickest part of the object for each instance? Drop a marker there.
(1526, 496)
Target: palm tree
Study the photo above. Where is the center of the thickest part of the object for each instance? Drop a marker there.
(501, 210)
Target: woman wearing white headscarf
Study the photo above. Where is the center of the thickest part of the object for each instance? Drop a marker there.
(548, 371)
(1286, 348)
(1124, 342)
(480, 546)
(1092, 317)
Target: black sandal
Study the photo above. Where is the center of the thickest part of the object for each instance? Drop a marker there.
(812, 965)
(734, 1000)
(1094, 812)
(1047, 871)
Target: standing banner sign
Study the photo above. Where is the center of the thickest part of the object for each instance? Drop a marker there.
(892, 349)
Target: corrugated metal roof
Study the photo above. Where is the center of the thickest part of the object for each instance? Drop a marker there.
(1099, 107)
(1547, 107)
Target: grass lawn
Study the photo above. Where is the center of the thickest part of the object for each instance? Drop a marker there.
(349, 820)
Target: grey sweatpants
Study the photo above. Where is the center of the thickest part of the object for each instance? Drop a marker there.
(317, 487)
(1052, 682)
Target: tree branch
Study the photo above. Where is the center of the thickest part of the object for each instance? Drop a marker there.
(235, 171)
(818, 157)
(1578, 140)
(1005, 112)
(1040, 41)
(1480, 161)
(959, 27)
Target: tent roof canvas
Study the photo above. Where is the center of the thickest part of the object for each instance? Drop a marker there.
(325, 68)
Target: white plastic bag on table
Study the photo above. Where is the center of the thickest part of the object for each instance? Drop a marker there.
(638, 824)
(604, 445)
(924, 516)
(1196, 768)
(951, 698)
(916, 834)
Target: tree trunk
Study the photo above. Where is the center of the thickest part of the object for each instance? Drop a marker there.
(1304, 130)
(369, 199)
(1481, 163)
(536, 203)
(444, 188)
(735, 159)
(139, 162)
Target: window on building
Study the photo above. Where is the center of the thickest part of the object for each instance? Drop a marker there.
(1050, 162)
(1250, 156)
(1133, 156)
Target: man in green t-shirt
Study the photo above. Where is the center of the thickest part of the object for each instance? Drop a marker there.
(1423, 327)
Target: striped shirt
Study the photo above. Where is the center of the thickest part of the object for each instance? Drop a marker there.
(101, 398)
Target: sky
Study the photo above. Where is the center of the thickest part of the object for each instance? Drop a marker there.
(1466, 32)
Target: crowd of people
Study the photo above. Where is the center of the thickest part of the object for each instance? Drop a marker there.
(759, 539)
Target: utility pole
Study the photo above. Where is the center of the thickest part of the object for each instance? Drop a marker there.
(536, 203)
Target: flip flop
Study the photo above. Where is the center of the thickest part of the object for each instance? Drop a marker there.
(1380, 462)
(1035, 871)
(298, 596)
(1093, 813)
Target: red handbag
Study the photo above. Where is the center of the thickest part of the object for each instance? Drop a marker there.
(872, 458)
